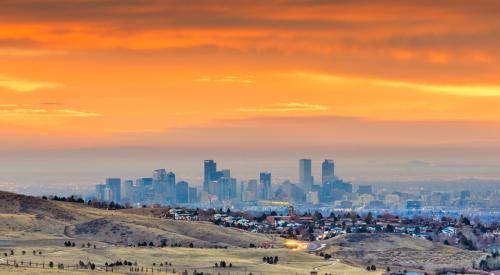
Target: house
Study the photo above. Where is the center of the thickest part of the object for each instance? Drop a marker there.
(184, 214)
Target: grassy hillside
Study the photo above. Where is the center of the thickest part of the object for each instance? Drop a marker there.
(32, 224)
(24, 217)
(399, 252)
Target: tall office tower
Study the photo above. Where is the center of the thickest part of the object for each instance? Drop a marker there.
(138, 191)
(241, 190)
(170, 186)
(127, 191)
(182, 192)
(114, 186)
(232, 188)
(327, 171)
(251, 190)
(193, 195)
(210, 169)
(159, 179)
(100, 191)
(265, 186)
(223, 188)
(305, 175)
(145, 192)
(108, 195)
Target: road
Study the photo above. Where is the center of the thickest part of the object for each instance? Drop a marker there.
(313, 247)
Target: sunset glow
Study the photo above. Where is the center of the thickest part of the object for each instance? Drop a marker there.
(103, 71)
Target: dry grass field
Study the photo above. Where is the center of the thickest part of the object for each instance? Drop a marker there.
(32, 224)
(244, 261)
(36, 225)
(400, 252)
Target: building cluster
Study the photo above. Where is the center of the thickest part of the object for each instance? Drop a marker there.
(220, 187)
(162, 188)
(427, 199)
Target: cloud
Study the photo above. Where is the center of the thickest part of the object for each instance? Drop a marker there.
(26, 85)
(458, 90)
(424, 39)
(465, 90)
(299, 132)
(228, 79)
(27, 52)
(40, 112)
(286, 107)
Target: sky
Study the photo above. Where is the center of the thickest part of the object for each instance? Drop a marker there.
(362, 82)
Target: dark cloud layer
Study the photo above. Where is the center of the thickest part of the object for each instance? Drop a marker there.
(454, 37)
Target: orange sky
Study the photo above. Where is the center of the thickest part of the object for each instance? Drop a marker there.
(245, 74)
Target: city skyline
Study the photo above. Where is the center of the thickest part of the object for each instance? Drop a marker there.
(224, 190)
(267, 82)
(219, 185)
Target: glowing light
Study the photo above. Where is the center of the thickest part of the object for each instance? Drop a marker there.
(296, 245)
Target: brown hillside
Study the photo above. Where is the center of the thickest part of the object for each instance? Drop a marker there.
(11, 203)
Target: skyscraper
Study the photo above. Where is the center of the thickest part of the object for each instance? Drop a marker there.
(170, 186)
(232, 188)
(182, 192)
(126, 191)
(224, 187)
(193, 195)
(265, 185)
(100, 190)
(251, 190)
(210, 169)
(327, 171)
(114, 186)
(159, 180)
(145, 192)
(305, 174)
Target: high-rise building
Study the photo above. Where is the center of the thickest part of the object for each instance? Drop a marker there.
(241, 190)
(223, 188)
(305, 174)
(159, 179)
(114, 186)
(170, 187)
(145, 192)
(159, 174)
(327, 171)
(210, 169)
(127, 191)
(182, 192)
(193, 195)
(100, 190)
(232, 188)
(265, 185)
(251, 190)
